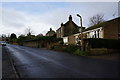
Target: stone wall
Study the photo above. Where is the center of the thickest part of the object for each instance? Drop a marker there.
(39, 44)
(100, 51)
(30, 44)
(71, 39)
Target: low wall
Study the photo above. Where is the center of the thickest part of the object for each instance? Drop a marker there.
(39, 44)
(99, 51)
(60, 47)
(30, 44)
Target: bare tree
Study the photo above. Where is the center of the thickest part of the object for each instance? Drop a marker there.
(28, 31)
(96, 19)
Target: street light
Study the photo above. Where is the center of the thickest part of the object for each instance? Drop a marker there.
(81, 32)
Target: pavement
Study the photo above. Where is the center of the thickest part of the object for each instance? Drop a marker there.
(40, 63)
(8, 69)
(111, 57)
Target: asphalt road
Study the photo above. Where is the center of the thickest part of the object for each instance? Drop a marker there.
(41, 63)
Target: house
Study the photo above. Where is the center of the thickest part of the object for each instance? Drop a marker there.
(51, 33)
(106, 30)
(67, 29)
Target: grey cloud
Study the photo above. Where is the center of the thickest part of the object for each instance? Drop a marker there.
(13, 18)
(41, 23)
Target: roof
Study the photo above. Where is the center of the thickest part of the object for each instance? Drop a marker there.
(101, 24)
(69, 22)
(50, 31)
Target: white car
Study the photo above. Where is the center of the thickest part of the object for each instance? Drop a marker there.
(3, 43)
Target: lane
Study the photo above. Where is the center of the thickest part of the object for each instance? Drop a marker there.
(39, 63)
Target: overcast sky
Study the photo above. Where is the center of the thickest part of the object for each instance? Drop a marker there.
(41, 16)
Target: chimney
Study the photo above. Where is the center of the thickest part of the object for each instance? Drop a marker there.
(50, 29)
(61, 24)
(70, 17)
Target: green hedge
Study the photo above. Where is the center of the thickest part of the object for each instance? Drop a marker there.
(71, 48)
(74, 49)
(43, 38)
(103, 43)
(79, 52)
(60, 47)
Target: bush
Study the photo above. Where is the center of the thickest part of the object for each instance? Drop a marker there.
(60, 47)
(51, 47)
(38, 46)
(78, 52)
(71, 48)
(61, 42)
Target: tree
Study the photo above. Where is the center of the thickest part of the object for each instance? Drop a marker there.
(3, 37)
(40, 35)
(96, 19)
(13, 36)
(28, 31)
(21, 36)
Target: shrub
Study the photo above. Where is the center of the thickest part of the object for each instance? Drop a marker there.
(78, 52)
(51, 47)
(60, 47)
(71, 48)
(38, 46)
(61, 42)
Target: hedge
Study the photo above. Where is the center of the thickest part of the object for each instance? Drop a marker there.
(43, 38)
(103, 43)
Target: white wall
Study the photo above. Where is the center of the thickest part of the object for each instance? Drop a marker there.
(65, 40)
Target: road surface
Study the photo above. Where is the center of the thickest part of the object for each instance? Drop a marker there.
(41, 63)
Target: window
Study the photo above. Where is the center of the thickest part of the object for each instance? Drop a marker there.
(65, 39)
(118, 35)
(78, 39)
(91, 34)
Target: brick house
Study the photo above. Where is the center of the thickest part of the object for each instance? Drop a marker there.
(51, 33)
(107, 30)
(67, 29)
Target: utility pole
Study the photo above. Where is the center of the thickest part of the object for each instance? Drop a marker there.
(81, 32)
